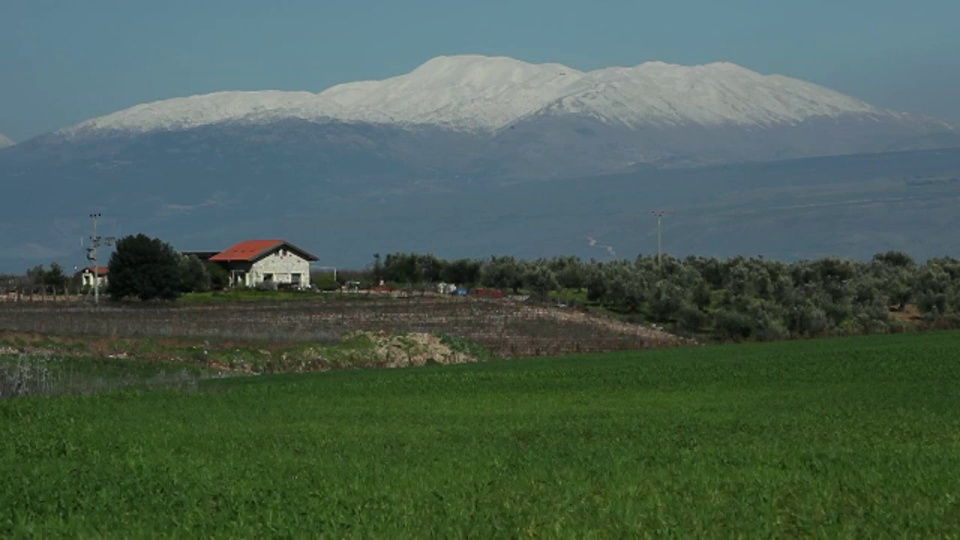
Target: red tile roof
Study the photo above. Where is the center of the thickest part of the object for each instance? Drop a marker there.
(101, 270)
(251, 250)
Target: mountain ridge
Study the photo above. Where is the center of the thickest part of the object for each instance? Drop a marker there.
(486, 94)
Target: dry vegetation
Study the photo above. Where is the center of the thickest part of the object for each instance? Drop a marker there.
(504, 327)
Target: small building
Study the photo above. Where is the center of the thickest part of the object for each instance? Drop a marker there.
(90, 275)
(254, 262)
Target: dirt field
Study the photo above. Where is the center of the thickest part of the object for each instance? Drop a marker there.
(506, 327)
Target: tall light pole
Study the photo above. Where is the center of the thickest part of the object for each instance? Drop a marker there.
(659, 214)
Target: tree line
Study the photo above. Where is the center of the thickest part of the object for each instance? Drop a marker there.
(140, 267)
(734, 299)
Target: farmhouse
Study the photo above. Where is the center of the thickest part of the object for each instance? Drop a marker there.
(93, 274)
(254, 262)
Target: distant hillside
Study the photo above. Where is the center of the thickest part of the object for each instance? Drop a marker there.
(851, 206)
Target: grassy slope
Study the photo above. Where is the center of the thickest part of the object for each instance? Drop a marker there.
(851, 437)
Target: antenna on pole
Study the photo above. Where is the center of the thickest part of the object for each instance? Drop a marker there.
(659, 214)
(95, 242)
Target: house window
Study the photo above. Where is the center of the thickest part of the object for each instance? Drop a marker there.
(295, 279)
(268, 277)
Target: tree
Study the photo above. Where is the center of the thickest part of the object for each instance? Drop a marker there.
(194, 276)
(219, 277)
(48, 280)
(665, 300)
(624, 286)
(569, 271)
(55, 278)
(540, 280)
(502, 273)
(894, 258)
(461, 271)
(145, 268)
(729, 324)
(690, 319)
(377, 267)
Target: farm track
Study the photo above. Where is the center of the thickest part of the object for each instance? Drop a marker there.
(507, 328)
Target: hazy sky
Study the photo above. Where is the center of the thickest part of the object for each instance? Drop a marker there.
(65, 61)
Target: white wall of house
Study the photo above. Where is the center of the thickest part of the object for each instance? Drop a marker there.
(281, 266)
(86, 280)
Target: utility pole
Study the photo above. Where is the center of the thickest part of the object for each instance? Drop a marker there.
(334, 268)
(659, 214)
(95, 242)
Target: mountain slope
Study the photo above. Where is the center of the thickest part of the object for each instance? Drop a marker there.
(6, 141)
(850, 206)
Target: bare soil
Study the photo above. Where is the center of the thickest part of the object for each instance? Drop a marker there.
(507, 328)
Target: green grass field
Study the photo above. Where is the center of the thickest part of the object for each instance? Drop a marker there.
(855, 437)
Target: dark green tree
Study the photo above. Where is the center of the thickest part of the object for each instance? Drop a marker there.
(55, 278)
(897, 259)
(462, 272)
(145, 268)
(377, 267)
(194, 276)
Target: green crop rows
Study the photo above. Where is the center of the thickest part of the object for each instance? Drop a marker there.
(856, 437)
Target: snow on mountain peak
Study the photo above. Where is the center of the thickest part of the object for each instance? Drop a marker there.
(471, 92)
(481, 93)
(668, 94)
(6, 141)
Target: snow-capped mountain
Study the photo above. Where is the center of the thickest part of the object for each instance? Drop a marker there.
(6, 141)
(500, 118)
(487, 94)
(452, 158)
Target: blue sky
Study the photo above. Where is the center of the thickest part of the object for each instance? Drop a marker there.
(65, 61)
